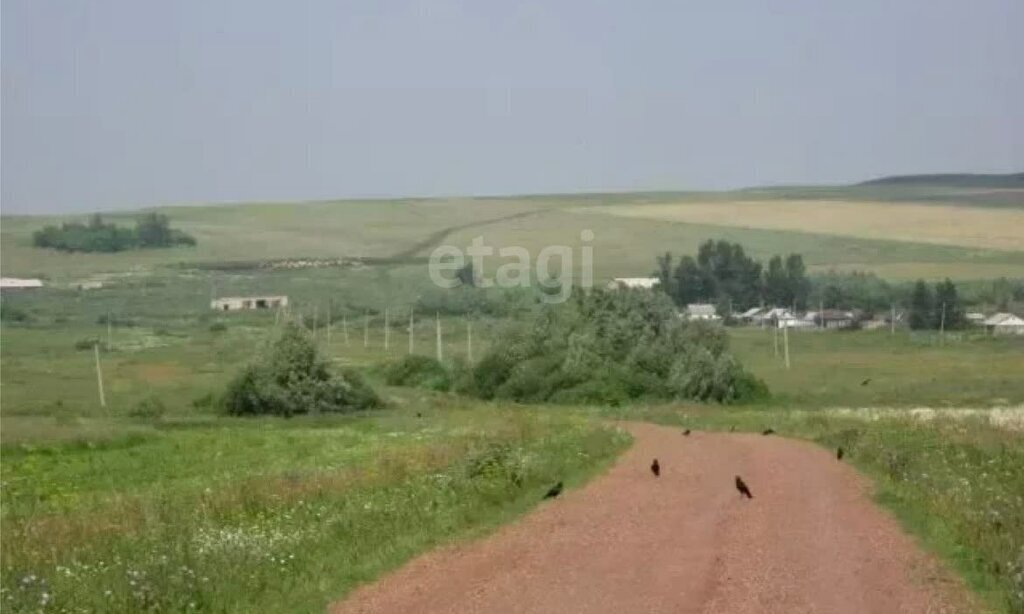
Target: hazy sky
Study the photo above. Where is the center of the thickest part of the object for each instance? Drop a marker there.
(114, 104)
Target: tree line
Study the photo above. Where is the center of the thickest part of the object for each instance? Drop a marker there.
(722, 273)
(152, 230)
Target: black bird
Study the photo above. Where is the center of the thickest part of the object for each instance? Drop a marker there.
(686, 432)
(742, 487)
(866, 382)
(839, 453)
(554, 492)
(768, 432)
(655, 468)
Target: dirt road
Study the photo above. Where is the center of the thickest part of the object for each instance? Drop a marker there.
(809, 541)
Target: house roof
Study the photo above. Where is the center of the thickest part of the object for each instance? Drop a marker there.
(15, 282)
(1004, 319)
(753, 311)
(635, 282)
(701, 309)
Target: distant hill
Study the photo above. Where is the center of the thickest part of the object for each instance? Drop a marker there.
(953, 180)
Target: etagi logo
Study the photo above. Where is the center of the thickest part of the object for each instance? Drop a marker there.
(517, 272)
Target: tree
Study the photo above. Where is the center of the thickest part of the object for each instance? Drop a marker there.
(949, 312)
(776, 282)
(466, 275)
(153, 230)
(666, 280)
(831, 297)
(797, 284)
(921, 311)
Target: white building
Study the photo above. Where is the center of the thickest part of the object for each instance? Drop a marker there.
(702, 311)
(17, 283)
(633, 283)
(242, 303)
(1005, 324)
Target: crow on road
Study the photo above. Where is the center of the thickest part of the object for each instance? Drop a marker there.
(742, 487)
(866, 382)
(686, 432)
(768, 432)
(655, 468)
(839, 453)
(554, 492)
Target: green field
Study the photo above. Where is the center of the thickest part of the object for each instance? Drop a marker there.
(623, 246)
(125, 507)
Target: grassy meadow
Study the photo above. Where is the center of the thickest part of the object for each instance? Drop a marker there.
(157, 502)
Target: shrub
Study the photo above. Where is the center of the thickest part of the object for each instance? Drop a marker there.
(293, 378)
(150, 408)
(13, 314)
(86, 344)
(419, 372)
(611, 347)
(218, 327)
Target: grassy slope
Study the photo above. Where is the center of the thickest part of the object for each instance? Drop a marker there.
(387, 228)
(272, 515)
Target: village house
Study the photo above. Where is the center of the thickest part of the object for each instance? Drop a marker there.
(242, 303)
(17, 283)
(1005, 324)
(633, 283)
(701, 311)
(832, 318)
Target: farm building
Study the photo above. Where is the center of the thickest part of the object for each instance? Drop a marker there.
(633, 283)
(754, 314)
(242, 303)
(1005, 324)
(17, 283)
(701, 311)
(832, 318)
(976, 318)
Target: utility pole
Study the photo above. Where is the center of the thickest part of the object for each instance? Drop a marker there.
(892, 319)
(412, 328)
(942, 325)
(316, 321)
(386, 331)
(437, 321)
(110, 324)
(821, 314)
(775, 335)
(99, 374)
(328, 322)
(469, 341)
(366, 329)
(785, 342)
(344, 328)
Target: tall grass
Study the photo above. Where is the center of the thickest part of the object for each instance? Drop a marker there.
(288, 539)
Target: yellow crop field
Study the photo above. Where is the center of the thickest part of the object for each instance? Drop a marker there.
(1000, 229)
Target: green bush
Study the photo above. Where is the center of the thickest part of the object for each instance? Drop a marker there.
(13, 314)
(293, 378)
(150, 408)
(418, 372)
(218, 327)
(609, 348)
(86, 344)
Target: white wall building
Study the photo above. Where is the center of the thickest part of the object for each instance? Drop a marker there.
(242, 303)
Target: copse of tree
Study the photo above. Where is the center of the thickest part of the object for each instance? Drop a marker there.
(291, 377)
(921, 306)
(152, 230)
(941, 309)
(609, 348)
(724, 274)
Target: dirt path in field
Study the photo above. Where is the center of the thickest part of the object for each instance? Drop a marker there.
(809, 541)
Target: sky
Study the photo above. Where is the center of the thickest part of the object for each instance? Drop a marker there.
(117, 104)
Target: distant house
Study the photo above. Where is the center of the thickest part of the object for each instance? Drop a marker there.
(751, 315)
(242, 303)
(1005, 324)
(701, 311)
(16, 283)
(89, 285)
(834, 319)
(976, 318)
(633, 283)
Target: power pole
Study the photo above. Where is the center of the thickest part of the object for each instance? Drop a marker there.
(412, 328)
(775, 335)
(892, 319)
(110, 345)
(386, 332)
(942, 324)
(366, 329)
(469, 341)
(344, 328)
(785, 342)
(328, 322)
(99, 374)
(316, 318)
(821, 314)
(437, 321)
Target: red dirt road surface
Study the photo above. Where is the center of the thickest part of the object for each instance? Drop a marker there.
(810, 540)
